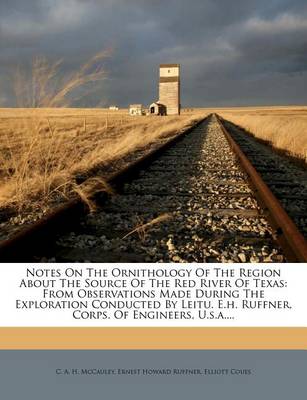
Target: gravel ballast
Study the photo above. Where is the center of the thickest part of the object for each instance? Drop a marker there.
(191, 205)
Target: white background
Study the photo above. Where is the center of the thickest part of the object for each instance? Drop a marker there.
(295, 293)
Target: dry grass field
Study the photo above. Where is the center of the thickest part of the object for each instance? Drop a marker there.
(43, 150)
(46, 145)
(285, 128)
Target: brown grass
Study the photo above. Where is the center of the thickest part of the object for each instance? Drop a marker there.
(46, 86)
(285, 128)
(143, 227)
(41, 155)
(43, 148)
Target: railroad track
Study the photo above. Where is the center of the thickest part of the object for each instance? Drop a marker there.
(286, 180)
(190, 201)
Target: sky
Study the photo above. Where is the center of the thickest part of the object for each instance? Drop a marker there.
(232, 52)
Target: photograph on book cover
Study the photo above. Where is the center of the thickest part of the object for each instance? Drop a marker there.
(153, 199)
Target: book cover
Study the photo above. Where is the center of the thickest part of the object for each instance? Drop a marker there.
(153, 197)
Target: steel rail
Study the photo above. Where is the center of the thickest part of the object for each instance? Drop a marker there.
(286, 232)
(22, 246)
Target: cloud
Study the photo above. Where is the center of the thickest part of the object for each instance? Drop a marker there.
(3, 101)
(56, 16)
(275, 45)
(228, 49)
(285, 23)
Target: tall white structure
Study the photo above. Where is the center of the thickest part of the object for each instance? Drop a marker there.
(169, 88)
